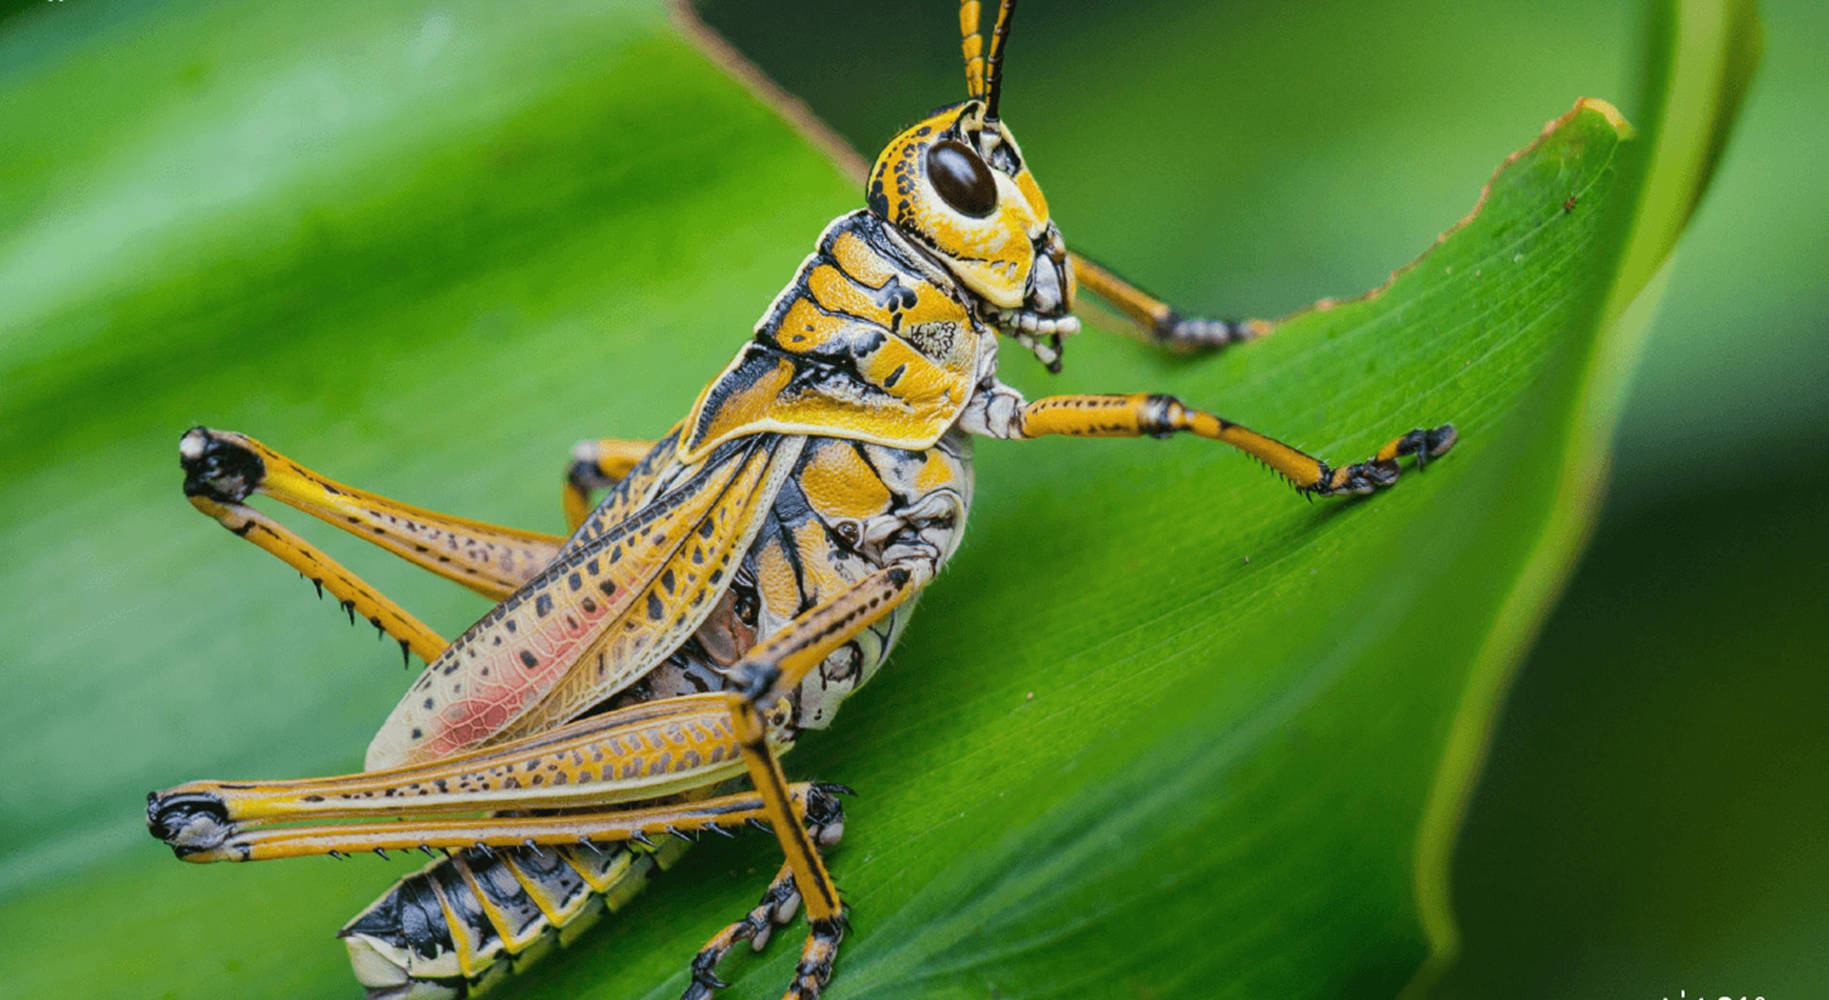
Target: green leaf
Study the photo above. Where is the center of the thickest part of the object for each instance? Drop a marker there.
(426, 247)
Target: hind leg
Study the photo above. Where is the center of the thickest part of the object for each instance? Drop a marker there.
(226, 468)
(222, 469)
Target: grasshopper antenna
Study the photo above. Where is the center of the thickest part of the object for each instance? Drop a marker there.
(972, 43)
(993, 76)
(984, 72)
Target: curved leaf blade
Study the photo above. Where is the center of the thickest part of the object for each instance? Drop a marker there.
(1167, 811)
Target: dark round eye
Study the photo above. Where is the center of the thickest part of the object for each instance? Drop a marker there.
(962, 178)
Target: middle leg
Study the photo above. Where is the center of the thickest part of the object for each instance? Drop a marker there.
(825, 822)
(597, 465)
(1006, 415)
(765, 677)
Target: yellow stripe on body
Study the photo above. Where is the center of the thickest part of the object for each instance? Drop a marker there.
(516, 930)
(554, 886)
(840, 485)
(860, 345)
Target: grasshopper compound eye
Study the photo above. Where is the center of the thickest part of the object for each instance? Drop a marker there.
(962, 178)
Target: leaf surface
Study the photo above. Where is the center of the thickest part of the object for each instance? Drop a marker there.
(1161, 725)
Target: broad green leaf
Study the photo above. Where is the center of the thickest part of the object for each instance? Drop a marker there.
(1162, 727)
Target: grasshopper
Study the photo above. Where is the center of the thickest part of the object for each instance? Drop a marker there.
(639, 681)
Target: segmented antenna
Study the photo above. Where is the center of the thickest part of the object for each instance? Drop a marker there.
(993, 77)
(973, 45)
(983, 76)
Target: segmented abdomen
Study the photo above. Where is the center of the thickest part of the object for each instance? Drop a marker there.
(466, 922)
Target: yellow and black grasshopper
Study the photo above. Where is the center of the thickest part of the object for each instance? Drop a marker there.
(639, 681)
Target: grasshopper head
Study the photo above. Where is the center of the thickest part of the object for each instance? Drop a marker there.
(957, 184)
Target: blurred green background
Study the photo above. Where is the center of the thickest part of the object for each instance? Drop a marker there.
(1652, 817)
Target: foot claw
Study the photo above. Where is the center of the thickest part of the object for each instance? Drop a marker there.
(815, 968)
(825, 814)
(1383, 470)
(1436, 443)
(1427, 444)
(777, 907)
(786, 907)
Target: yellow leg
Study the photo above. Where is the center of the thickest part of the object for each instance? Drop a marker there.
(687, 819)
(773, 669)
(1161, 324)
(226, 468)
(355, 595)
(597, 465)
(765, 676)
(637, 753)
(825, 824)
(223, 468)
(777, 907)
(1159, 416)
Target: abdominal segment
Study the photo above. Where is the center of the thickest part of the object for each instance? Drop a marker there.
(465, 923)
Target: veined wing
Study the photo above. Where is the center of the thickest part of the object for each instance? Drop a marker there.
(602, 615)
(628, 495)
